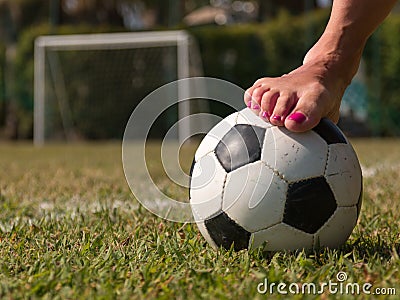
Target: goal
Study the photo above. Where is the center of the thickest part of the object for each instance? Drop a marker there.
(87, 85)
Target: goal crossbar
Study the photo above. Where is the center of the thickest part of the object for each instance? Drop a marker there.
(112, 40)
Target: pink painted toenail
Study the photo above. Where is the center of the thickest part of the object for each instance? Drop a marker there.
(298, 117)
(265, 115)
(249, 104)
(277, 118)
(256, 106)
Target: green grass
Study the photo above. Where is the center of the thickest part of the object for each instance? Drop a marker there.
(70, 229)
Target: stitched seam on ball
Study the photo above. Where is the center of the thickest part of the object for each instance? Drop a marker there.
(348, 206)
(269, 226)
(202, 218)
(275, 171)
(328, 156)
(327, 160)
(223, 191)
(236, 118)
(205, 154)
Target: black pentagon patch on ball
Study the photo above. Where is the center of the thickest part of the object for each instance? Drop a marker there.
(240, 146)
(309, 204)
(225, 232)
(329, 132)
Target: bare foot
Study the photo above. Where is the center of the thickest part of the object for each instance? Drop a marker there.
(300, 99)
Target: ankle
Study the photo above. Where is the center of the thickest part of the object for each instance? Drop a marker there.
(335, 67)
(339, 56)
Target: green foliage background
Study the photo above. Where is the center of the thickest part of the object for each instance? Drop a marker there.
(244, 53)
(2, 84)
(382, 56)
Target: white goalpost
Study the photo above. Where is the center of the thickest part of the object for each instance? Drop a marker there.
(82, 81)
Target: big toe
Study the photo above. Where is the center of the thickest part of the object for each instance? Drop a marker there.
(309, 111)
(299, 121)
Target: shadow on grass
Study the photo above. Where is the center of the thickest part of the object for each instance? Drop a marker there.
(367, 248)
(362, 249)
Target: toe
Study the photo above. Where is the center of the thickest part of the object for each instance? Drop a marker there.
(283, 106)
(301, 122)
(256, 98)
(268, 101)
(303, 117)
(258, 92)
(248, 95)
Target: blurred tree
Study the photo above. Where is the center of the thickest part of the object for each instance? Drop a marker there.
(24, 13)
(19, 14)
(3, 107)
(90, 11)
(168, 12)
(7, 30)
(269, 9)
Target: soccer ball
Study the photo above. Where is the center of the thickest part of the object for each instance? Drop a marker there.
(258, 185)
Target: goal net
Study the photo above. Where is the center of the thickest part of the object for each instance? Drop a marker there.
(86, 86)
